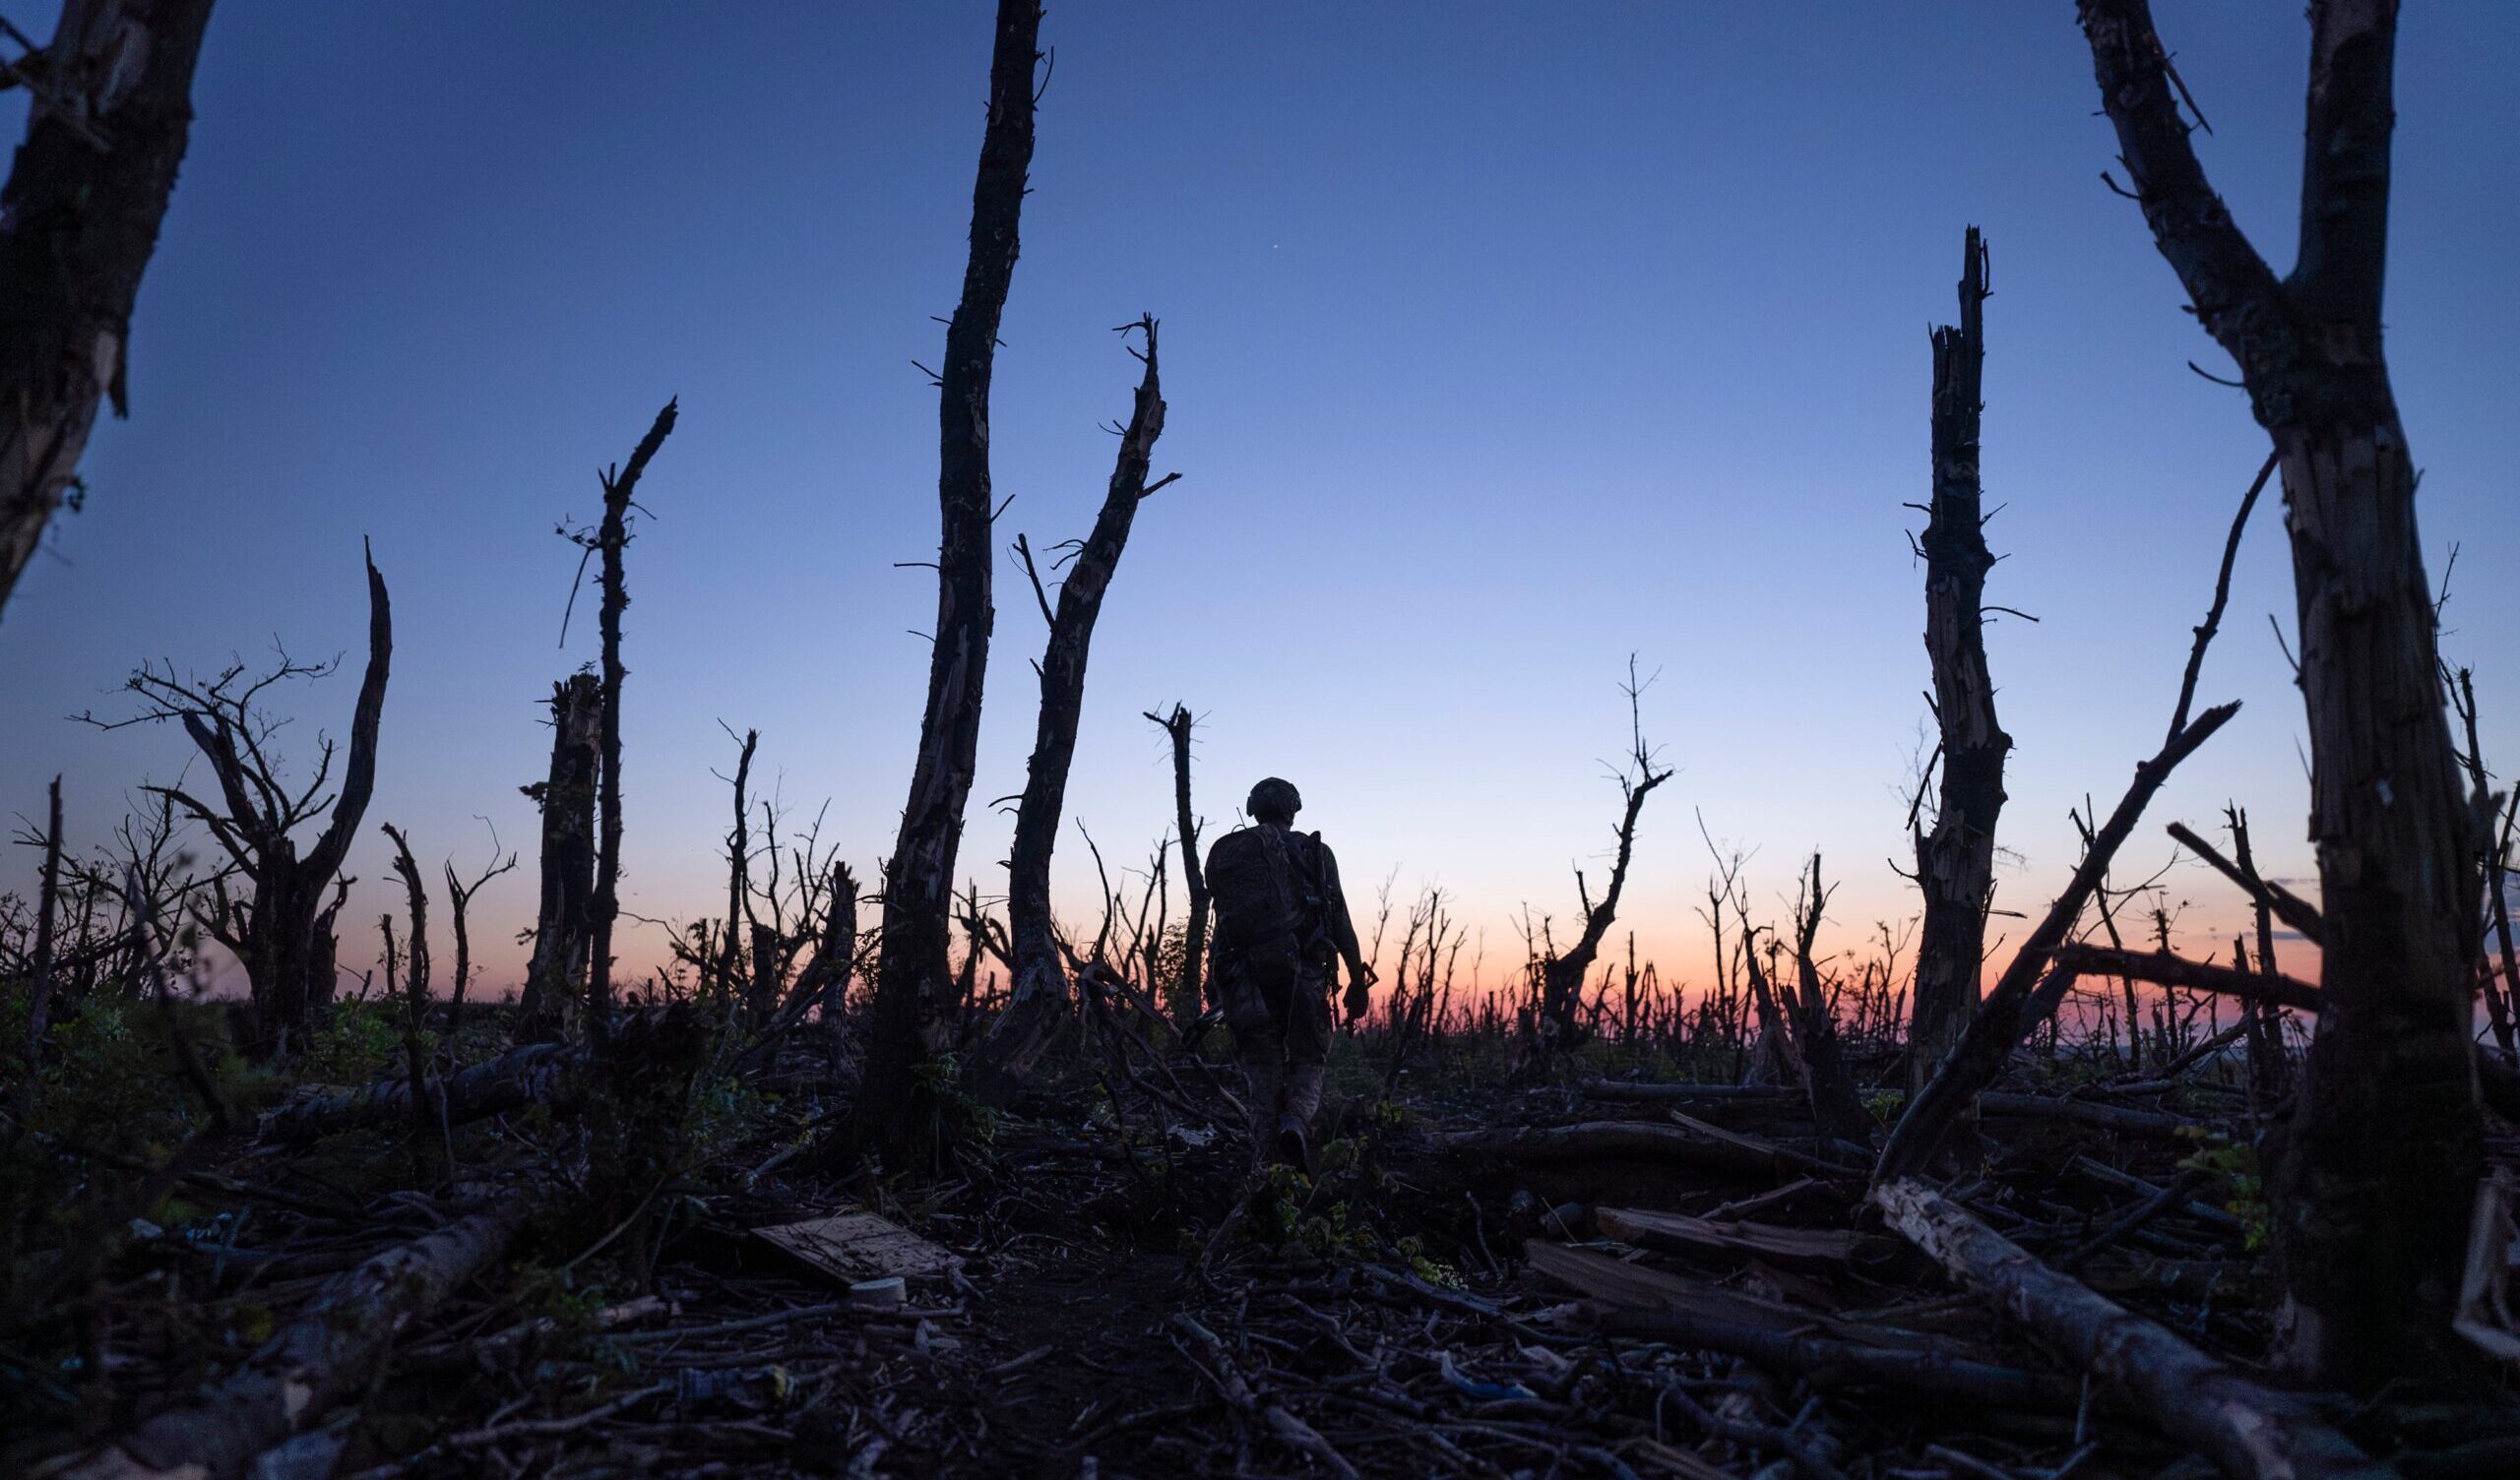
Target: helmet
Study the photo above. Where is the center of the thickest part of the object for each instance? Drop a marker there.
(1273, 797)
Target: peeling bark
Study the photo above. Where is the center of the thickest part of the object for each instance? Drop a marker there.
(908, 1023)
(79, 222)
(2386, 1145)
(2251, 1432)
(538, 1073)
(1956, 861)
(556, 974)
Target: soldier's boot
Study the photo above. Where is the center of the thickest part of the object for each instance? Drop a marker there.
(1294, 1121)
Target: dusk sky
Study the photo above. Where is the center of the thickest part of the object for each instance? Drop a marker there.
(1500, 342)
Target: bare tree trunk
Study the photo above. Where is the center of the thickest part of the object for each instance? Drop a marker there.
(557, 975)
(1562, 974)
(1192, 997)
(1836, 1108)
(619, 489)
(1956, 861)
(2270, 1070)
(79, 220)
(458, 902)
(2492, 852)
(416, 1001)
(1039, 997)
(836, 958)
(39, 977)
(537, 1074)
(731, 946)
(2382, 1160)
(912, 976)
(287, 945)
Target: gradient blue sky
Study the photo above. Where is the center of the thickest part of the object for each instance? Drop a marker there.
(1501, 341)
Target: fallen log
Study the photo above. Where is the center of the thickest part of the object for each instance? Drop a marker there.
(331, 1350)
(2499, 1083)
(2251, 1432)
(2293, 911)
(1620, 1284)
(536, 1073)
(1823, 1362)
(1753, 1094)
(2165, 969)
(2127, 1182)
(1689, 1143)
(2120, 1118)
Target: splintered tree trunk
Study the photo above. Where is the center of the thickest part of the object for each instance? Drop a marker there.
(1039, 998)
(77, 222)
(619, 489)
(912, 978)
(828, 973)
(1194, 878)
(2382, 1157)
(1836, 1108)
(1956, 861)
(556, 973)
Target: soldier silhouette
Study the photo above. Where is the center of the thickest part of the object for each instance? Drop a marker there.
(1281, 930)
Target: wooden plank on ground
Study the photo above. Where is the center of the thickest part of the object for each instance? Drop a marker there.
(854, 1244)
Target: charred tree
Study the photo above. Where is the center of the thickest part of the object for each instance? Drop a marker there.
(733, 977)
(2494, 850)
(827, 975)
(459, 906)
(2385, 1146)
(1561, 973)
(40, 966)
(283, 934)
(619, 489)
(1836, 1108)
(415, 991)
(79, 220)
(1040, 993)
(1194, 933)
(914, 975)
(555, 976)
(1956, 860)
(2028, 991)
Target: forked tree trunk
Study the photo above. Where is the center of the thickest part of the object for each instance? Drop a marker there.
(1836, 1108)
(913, 977)
(555, 976)
(79, 219)
(2382, 1157)
(1956, 861)
(1039, 997)
(286, 943)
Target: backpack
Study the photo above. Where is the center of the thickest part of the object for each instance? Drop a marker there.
(1268, 900)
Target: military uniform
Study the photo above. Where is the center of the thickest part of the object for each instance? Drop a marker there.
(1272, 961)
